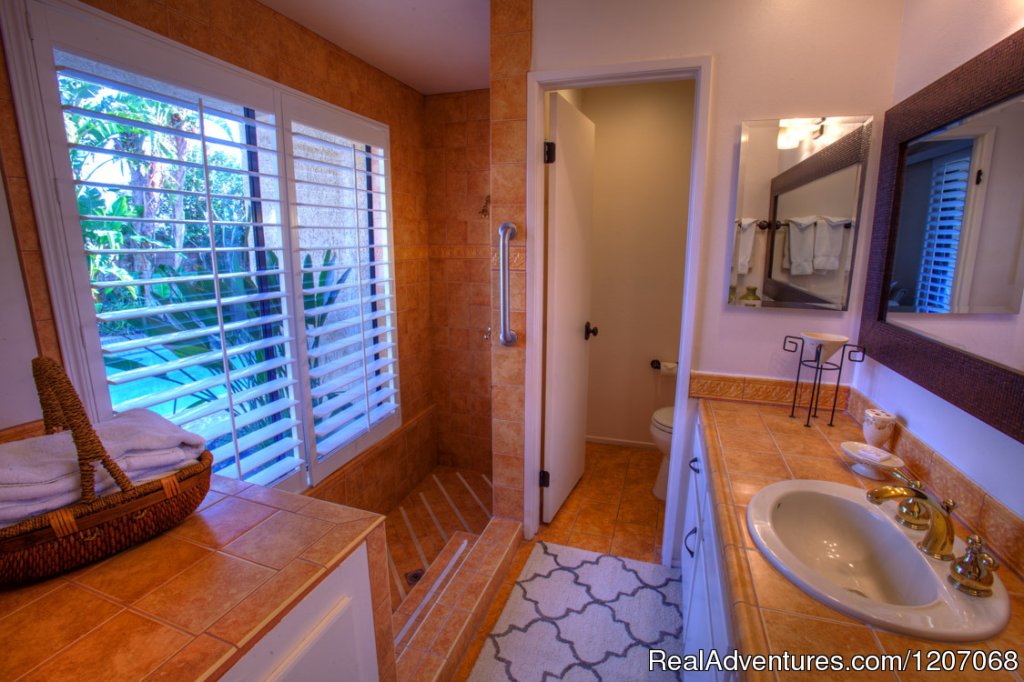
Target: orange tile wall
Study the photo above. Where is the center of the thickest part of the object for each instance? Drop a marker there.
(511, 40)
(277, 48)
(457, 137)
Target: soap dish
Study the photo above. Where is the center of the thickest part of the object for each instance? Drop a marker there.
(865, 466)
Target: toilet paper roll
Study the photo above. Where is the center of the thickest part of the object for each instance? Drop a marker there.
(669, 368)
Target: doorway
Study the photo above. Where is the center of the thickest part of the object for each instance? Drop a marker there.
(696, 75)
(618, 172)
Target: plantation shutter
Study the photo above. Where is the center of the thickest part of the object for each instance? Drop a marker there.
(340, 225)
(180, 210)
(948, 196)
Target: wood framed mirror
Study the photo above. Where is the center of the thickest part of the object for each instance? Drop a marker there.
(961, 373)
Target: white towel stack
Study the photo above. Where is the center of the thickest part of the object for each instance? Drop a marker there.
(41, 474)
(828, 242)
(801, 245)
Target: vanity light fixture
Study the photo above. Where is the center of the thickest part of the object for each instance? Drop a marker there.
(793, 131)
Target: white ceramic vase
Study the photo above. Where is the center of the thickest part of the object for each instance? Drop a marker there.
(878, 427)
(829, 344)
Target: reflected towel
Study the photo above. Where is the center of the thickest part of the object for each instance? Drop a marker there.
(801, 245)
(138, 441)
(828, 242)
(744, 244)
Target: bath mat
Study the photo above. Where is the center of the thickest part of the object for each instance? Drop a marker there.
(578, 615)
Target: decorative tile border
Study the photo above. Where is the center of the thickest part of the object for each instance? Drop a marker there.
(411, 252)
(516, 258)
(760, 390)
(446, 251)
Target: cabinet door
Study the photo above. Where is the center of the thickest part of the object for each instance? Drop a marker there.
(691, 539)
(329, 632)
(697, 633)
(714, 569)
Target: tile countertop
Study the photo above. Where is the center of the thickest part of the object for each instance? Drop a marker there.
(188, 602)
(750, 446)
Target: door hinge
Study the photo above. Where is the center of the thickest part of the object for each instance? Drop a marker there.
(545, 479)
(549, 152)
(977, 177)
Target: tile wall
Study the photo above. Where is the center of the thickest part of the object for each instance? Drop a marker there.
(277, 48)
(511, 40)
(457, 137)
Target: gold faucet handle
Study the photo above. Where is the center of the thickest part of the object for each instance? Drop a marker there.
(972, 573)
(911, 482)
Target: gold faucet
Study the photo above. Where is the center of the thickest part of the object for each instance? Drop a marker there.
(911, 513)
(938, 542)
(972, 573)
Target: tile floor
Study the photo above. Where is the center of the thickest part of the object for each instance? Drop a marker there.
(448, 500)
(611, 510)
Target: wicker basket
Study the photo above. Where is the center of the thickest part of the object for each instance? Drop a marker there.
(95, 527)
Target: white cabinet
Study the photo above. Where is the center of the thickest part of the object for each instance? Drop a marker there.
(706, 613)
(329, 635)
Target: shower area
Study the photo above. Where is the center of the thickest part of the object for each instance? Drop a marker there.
(432, 477)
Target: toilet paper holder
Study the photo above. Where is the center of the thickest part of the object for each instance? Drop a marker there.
(657, 364)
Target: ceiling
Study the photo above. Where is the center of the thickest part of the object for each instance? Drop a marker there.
(432, 45)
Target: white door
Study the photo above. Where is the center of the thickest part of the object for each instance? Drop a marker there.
(570, 209)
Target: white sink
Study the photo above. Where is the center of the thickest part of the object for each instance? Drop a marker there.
(849, 554)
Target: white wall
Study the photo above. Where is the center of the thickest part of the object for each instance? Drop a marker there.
(17, 344)
(641, 172)
(771, 60)
(956, 30)
(798, 59)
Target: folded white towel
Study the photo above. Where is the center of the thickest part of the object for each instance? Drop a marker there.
(138, 440)
(828, 242)
(874, 456)
(744, 244)
(801, 245)
(780, 236)
(12, 512)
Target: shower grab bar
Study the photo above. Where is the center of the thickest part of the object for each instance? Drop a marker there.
(506, 232)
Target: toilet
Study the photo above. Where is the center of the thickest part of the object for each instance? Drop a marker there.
(661, 431)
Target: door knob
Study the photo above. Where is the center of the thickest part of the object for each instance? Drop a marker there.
(589, 331)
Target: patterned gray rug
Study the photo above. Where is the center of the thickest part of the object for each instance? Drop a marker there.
(577, 615)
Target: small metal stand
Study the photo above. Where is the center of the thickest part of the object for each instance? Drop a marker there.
(850, 352)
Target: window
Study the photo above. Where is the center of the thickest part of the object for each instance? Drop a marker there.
(942, 232)
(228, 249)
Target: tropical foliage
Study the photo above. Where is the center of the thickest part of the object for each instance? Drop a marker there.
(166, 239)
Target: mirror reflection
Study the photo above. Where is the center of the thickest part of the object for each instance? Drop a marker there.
(813, 245)
(798, 195)
(958, 266)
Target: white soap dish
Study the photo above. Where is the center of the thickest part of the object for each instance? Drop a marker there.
(867, 467)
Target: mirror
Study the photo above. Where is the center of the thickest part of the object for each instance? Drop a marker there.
(957, 272)
(942, 303)
(799, 188)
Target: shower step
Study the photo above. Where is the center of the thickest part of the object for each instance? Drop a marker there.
(416, 605)
(432, 634)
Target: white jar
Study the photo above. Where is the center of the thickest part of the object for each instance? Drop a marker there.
(878, 427)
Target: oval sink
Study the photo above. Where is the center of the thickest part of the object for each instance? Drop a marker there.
(852, 556)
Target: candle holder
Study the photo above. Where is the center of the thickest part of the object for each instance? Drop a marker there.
(819, 361)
